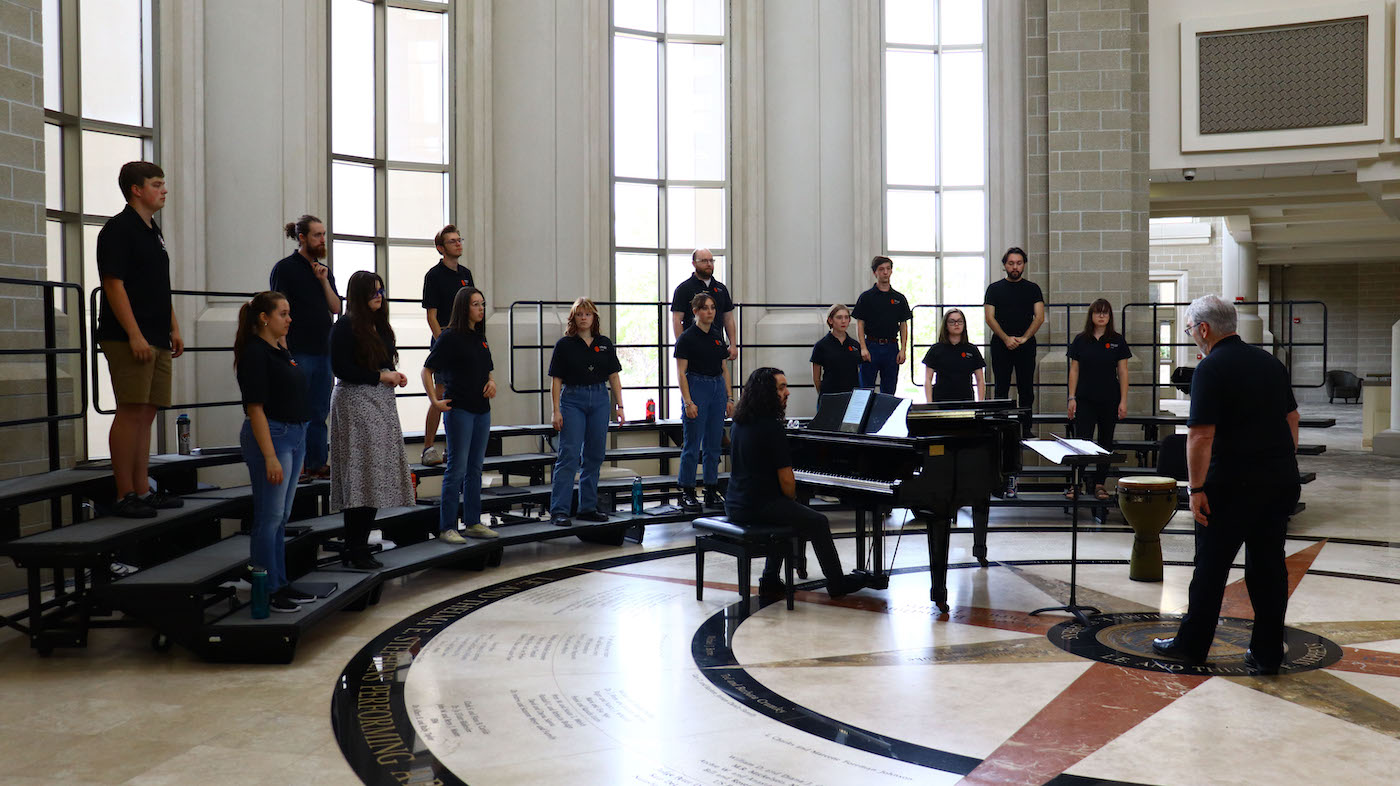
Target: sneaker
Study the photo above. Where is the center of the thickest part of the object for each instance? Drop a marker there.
(560, 520)
(297, 596)
(279, 602)
(133, 507)
(161, 501)
(481, 531)
(432, 456)
(714, 499)
(452, 536)
(689, 502)
(597, 517)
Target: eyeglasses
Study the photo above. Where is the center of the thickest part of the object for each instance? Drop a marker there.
(955, 322)
(1193, 325)
(379, 292)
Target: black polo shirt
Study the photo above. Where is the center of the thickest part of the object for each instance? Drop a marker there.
(579, 363)
(466, 356)
(757, 449)
(440, 285)
(311, 315)
(1246, 393)
(689, 288)
(129, 250)
(269, 376)
(703, 352)
(840, 362)
(953, 366)
(344, 362)
(1014, 302)
(882, 312)
(1098, 366)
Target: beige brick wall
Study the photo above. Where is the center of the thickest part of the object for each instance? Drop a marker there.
(1201, 263)
(1363, 301)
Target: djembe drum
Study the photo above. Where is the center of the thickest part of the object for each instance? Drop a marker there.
(1147, 502)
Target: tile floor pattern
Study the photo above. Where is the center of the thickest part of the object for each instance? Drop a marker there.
(982, 685)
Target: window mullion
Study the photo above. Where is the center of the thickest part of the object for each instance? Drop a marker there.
(381, 141)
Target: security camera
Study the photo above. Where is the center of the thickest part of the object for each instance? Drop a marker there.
(1189, 174)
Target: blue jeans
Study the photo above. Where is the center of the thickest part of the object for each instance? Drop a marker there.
(709, 396)
(319, 380)
(466, 450)
(585, 434)
(272, 505)
(884, 361)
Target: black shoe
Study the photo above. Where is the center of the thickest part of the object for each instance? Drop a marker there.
(297, 596)
(560, 520)
(361, 562)
(714, 499)
(689, 502)
(133, 507)
(851, 582)
(594, 516)
(1169, 648)
(160, 501)
(1258, 668)
(280, 603)
(771, 587)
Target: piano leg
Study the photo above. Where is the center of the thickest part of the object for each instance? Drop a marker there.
(981, 512)
(860, 537)
(938, 527)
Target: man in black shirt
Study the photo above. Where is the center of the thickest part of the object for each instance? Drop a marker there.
(762, 487)
(1243, 469)
(309, 287)
(1015, 310)
(440, 285)
(137, 331)
(703, 281)
(882, 327)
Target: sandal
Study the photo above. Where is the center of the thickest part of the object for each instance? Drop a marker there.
(1100, 493)
(1070, 494)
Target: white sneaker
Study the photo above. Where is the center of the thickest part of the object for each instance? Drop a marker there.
(452, 536)
(482, 531)
(432, 456)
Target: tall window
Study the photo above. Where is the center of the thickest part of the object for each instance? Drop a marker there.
(935, 159)
(99, 113)
(391, 167)
(670, 167)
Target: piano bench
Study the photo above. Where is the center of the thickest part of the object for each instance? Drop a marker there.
(744, 543)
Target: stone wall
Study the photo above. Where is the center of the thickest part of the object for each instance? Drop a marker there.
(1200, 262)
(1363, 301)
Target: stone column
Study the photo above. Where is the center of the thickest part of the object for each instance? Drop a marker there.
(1239, 278)
(1387, 443)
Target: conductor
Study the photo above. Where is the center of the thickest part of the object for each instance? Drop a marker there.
(1243, 469)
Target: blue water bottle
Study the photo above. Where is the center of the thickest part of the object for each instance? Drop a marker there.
(260, 594)
(636, 496)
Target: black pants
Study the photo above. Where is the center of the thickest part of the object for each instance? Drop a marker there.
(1257, 518)
(1091, 416)
(1022, 361)
(358, 523)
(805, 522)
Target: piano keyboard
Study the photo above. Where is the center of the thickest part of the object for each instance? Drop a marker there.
(829, 481)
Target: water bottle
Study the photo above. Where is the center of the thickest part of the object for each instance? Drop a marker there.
(636, 496)
(260, 594)
(182, 432)
(651, 410)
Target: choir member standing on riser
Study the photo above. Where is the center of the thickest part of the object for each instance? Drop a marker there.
(1098, 383)
(836, 356)
(137, 332)
(882, 317)
(953, 363)
(703, 280)
(368, 467)
(273, 437)
(463, 352)
(309, 287)
(702, 369)
(440, 285)
(582, 369)
(1014, 309)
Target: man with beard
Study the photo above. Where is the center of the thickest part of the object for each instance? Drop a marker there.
(762, 487)
(310, 290)
(703, 281)
(1015, 310)
(440, 285)
(1241, 458)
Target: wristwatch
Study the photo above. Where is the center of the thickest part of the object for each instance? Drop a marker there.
(1198, 490)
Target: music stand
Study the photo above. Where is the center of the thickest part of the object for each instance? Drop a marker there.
(1075, 454)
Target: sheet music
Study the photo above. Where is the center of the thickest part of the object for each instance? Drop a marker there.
(1057, 448)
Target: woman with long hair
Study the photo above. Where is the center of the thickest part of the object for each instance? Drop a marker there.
(273, 437)
(584, 365)
(702, 369)
(836, 357)
(1098, 383)
(463, 352)
(368, 467)
(952, 364)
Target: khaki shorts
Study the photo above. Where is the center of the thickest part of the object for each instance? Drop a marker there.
(134, 382)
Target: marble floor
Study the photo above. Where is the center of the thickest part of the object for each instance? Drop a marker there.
(588, 664)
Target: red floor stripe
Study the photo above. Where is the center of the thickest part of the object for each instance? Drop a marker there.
(1237, 595)
(1364, 661)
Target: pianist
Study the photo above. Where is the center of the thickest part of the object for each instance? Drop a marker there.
(762, 489)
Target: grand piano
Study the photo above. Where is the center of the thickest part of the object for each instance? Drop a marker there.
(876, 452)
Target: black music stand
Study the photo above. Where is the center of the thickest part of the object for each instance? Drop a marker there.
(1064, 452)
